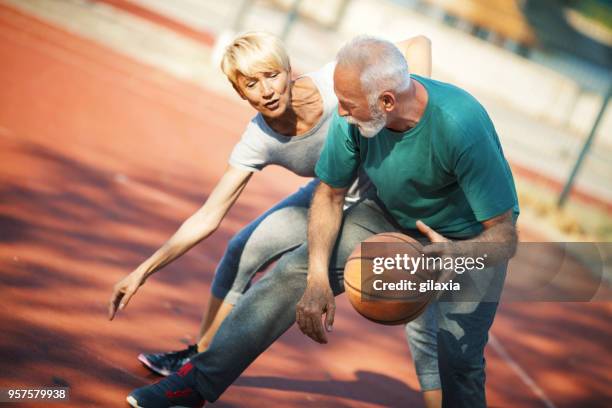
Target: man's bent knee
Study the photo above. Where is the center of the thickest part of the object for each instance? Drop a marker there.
(291, 269)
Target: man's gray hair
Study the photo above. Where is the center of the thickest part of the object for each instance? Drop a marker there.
(381, 63)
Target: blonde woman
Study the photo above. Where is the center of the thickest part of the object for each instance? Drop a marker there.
(288, 130)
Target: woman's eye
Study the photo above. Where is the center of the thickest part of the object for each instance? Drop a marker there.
(250, 84)
(273, 74)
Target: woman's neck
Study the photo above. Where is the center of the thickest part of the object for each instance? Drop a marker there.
(303, 111)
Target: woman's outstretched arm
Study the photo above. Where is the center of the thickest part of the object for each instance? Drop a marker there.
(196, 228)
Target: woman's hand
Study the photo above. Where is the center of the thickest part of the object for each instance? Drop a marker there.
(123, 292)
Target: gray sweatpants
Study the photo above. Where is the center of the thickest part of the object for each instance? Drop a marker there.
(278, 230)
(451, 335)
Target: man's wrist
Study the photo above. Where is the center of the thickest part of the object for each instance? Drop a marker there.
(315, 278)
(459, 248)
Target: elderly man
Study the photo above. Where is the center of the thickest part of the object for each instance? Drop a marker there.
(433, 154)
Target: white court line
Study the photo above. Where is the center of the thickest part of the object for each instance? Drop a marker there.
(522, 374)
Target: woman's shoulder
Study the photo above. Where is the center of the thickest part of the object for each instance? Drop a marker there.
(304, 87)
(256, 129)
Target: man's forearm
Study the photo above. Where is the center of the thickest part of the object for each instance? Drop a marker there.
(499, 242)
(324, 222)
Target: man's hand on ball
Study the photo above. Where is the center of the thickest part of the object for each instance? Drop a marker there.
(430, 233)
(318, 299)
(440, 247)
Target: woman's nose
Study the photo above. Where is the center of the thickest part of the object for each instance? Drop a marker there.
(266, 89)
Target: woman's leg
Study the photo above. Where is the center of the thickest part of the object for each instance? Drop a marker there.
(433, 398)
(218, 313)
(205, 339)
(278, 230)
(210, 311)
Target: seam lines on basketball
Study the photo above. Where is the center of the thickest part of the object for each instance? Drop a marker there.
(361, 293)
(352, 258)
(395, 235)
(393, 322)
(385, 234)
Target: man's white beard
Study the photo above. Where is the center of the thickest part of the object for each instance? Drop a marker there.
(372, 127)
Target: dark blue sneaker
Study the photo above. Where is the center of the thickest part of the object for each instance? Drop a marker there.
(167, 363)
(176, 390)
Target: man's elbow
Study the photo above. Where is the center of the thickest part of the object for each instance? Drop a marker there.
(333, 195)
(510, 238)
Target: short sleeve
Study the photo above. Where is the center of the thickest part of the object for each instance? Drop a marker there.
(483, 175)
(339, 160)
(249, 153)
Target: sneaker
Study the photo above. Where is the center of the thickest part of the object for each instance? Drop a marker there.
(176, 390)
(167, 363)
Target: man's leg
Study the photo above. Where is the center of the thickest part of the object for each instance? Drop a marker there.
(422, 339)
(280, 229)
(280, 232)
(267, 310)
(463, 332)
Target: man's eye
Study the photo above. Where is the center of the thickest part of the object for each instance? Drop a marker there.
(273, 74)
(250, 84)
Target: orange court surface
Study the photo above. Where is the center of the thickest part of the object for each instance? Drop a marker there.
(102, 157)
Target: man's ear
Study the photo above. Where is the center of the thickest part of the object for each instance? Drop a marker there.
(388, 100)
(238, 91)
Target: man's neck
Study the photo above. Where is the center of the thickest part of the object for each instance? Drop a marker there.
(411, 107)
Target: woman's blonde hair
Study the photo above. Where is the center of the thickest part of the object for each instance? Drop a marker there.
(253, 52)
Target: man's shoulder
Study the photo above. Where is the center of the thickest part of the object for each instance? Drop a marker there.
(448, 97)
(454, 107)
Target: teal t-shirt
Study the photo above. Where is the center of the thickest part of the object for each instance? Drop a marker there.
(448, 171)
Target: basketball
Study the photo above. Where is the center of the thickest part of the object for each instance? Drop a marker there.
(386, 298)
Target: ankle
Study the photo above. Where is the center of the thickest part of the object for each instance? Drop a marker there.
(202, 346)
